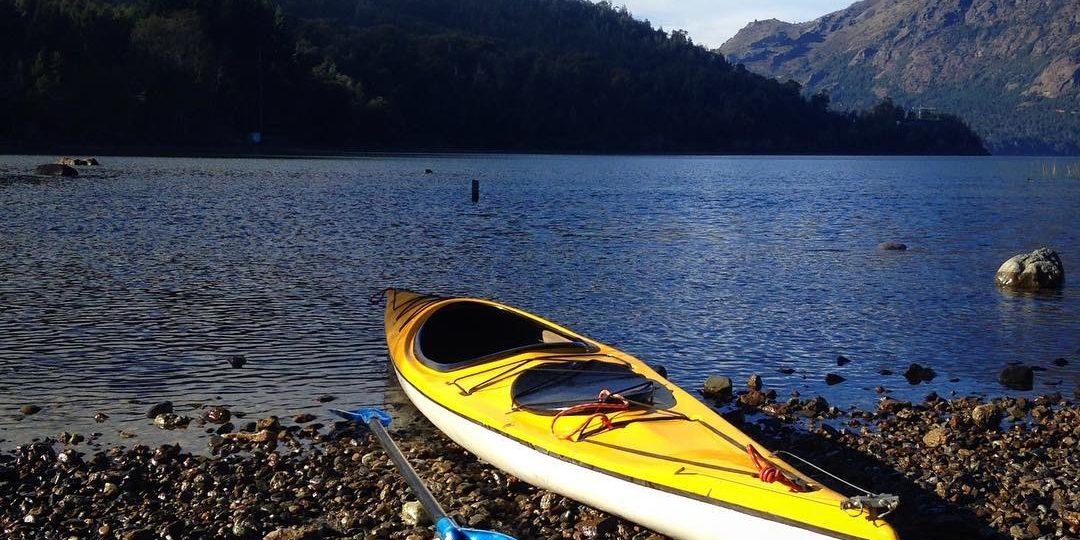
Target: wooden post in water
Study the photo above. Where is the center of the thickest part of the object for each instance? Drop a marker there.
(475, 191)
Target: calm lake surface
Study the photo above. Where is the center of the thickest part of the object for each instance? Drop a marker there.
(134, 283)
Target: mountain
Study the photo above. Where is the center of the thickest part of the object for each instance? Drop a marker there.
(1011, 68)
(525, 75)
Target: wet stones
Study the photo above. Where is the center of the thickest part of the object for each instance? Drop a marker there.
(100, 417)
(1017, 377)
(934, 437)
(326, 398)
(916, 374)
(986, 416)
(717, 387)
(171, 421)
(217, 415)
(303, 418)
(159, 409)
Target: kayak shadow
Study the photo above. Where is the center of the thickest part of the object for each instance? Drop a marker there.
(922, 513)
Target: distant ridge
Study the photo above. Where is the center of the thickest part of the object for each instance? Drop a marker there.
(1010, 69)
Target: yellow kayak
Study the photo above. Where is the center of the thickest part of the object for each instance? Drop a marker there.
(580, 418)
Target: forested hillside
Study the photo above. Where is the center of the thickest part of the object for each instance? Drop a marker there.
(545, 75)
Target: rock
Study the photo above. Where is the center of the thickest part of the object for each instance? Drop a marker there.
(55, 169)
(237, 361)
(916, 374)
(306, 532)
(159, 409)
(717, 387)
(785, 370)
(109, 489)
(1017, 377)
(100, 417)
(217, 415)
(986, 416)
(755, 382)
(890, 405)
(270, 423)
(660, 370)
(596, 527)
(428, 171)
(1040, 269)
(303, 418)
(842, 360)
(815, 406)
(892, 246)
(29, 409)
(833, 378)
(935, 437)
(1060, 362)
(171, 421)
(413, 514)
(885, 372)
(77, 162)
(753, 398)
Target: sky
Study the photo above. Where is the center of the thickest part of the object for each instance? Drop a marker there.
(711, 22)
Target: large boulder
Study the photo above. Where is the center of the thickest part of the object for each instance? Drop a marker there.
(1040, 269)
(55, 169)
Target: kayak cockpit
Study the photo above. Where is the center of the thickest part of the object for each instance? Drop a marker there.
(467, 333)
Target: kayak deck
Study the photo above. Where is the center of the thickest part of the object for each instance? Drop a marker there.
(685, 449)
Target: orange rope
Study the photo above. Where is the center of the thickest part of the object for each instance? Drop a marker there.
(769, 473)
(605, 402)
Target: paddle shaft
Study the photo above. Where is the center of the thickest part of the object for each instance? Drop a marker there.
(417, 485)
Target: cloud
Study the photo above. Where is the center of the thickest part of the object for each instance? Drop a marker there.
(711, 22)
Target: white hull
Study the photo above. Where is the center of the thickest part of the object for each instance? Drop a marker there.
(667, 513)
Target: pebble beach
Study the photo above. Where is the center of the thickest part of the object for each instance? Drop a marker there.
(965, 467)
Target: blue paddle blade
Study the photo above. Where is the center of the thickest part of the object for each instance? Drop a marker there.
(448, 530)
(364, 415)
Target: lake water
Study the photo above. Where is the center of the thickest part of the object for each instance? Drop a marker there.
(135, 282)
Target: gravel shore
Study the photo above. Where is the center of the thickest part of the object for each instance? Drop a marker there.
(964, 468)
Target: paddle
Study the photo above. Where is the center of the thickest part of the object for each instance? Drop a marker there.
(376, 420)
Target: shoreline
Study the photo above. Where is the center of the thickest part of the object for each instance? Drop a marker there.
(964, 468)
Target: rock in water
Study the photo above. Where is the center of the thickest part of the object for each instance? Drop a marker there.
(55, 169)
(916, 374)
(892, 246)
(842, 360)
(29, 409)
(1017, 377)
(1040, 269)
(754, 383)
(833, 378)
(160, 408)
(717, 387)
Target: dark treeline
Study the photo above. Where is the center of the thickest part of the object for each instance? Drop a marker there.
(547, 75)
